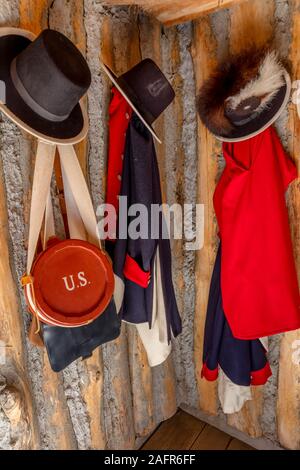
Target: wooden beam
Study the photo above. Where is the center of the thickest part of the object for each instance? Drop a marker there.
(178, 12)
(170, 12)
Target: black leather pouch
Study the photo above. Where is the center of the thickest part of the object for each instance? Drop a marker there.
(65, 345)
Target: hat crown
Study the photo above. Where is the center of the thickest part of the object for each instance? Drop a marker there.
(148, 88)
(51, 75)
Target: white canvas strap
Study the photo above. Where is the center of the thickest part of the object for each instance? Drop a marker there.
(78, 187)
(75, 224)
(80, 212)
(40, 192)
(49, 226)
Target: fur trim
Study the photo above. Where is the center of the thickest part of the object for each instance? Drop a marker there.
(267, 83)
(254, 72)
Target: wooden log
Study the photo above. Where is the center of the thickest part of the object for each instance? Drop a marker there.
(120, 52)
(251, 23)
(92, 392)
(163, 391)
(118, 403)
(204, 53)
(248, 420)
(15, 391)
(288, 404)
(141, 385)
(36, 16)
(60, 429)
(67, 17)
(15, 388)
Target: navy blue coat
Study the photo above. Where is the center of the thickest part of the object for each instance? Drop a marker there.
(141, 185)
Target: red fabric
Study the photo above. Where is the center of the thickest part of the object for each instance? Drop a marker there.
(260, 377)
(119, 117)
(135, 273)
(208, 374)
(258, 278)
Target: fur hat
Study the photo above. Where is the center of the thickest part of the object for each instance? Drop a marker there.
(246, 94)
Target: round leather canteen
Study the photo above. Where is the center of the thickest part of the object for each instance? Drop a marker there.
(73, 282)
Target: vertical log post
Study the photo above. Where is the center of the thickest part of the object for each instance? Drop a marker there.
(251, 23)
(204, 52)
(288, 405)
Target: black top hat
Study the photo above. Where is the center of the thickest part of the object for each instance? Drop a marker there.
(45, 79)
(146, 89)
(245, 95)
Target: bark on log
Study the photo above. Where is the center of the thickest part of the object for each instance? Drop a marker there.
(288, 405)
(204, 52)
(36, 16)
(15, 391)
(15, 388)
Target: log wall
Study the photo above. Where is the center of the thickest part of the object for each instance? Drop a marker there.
(114, 400)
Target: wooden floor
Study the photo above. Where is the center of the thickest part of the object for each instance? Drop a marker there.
(184, 432)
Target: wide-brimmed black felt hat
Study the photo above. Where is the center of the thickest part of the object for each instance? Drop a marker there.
(146, 89)
(45, 78)
(244, 95)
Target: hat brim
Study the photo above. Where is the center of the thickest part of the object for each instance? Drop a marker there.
(265, 119)
(70, 131)
(121, 89)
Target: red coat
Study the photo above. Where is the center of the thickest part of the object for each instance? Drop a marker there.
(259, 281)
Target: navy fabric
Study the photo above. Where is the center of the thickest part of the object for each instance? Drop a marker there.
(237, 358)
(141, 185)
(65, 345)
